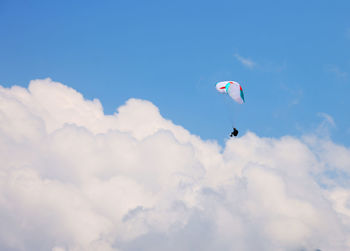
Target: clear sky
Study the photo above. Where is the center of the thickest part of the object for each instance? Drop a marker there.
(292, 59)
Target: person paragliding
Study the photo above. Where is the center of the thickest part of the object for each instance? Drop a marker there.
(234, 132)
(235, 91)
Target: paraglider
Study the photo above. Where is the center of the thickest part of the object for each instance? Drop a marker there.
(235, 91)
(234, 132)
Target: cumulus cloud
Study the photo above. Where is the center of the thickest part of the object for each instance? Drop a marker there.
(72, 178)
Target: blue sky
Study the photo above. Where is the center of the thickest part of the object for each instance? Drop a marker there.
(292, 59)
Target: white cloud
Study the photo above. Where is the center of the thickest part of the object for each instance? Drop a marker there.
(72, 178)
(336, 71)
(264, 66)
(245, 61)
(328, 119)
(326, 125)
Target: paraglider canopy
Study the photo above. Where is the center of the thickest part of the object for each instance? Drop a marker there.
(235, 91)
(231, 88)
